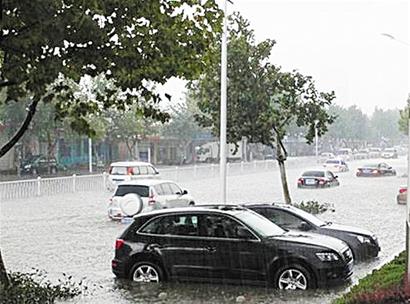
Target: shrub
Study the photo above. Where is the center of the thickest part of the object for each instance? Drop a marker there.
(34, 288)
(314, 207)
(382, 286)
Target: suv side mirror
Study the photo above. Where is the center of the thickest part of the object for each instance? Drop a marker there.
(184, 192)
(304, 226)
(335, 177)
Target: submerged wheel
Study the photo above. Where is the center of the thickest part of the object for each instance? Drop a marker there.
(146, 272)
(293, 277)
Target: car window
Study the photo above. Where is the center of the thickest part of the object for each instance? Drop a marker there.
(314, 173)
(136, 170)
(173, 225)
(151, 170)
(143, 170)
(119, 171)
(330, 175)
(175, 188)
(283, 218)
(166, 189)
(158, 190)
(221, 227)
(122, 190)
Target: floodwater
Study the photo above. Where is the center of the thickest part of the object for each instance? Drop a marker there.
(70, 233)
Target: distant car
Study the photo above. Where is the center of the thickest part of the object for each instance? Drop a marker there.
(402, 196)
(336, 165)
(389, 153)
(375, 169)
(361, 154)
(363, 243)
(327, 155)
(37, 164)
(375, 152)
(317, 179)
(137, 196)
(345, 154)
(130, 170)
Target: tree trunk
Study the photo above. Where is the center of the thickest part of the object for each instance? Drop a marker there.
(16, 137)
(281, 158)
(4, 278)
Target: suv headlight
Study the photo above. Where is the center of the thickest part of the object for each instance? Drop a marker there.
(363, 239)
(327, 256)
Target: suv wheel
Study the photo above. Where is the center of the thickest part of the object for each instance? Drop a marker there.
(293, 277)
(146, 272)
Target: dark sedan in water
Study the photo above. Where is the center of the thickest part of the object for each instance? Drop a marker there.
(375, 170)
(363, 243)
(227, 244)
(318, 179)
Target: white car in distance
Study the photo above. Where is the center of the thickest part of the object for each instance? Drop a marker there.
(130, 170)
(336, 165)
(144, 195)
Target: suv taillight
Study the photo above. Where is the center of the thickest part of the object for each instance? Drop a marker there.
(321, 181)
(300, 181)
(151, 198)
(403, 190)
(119, 243)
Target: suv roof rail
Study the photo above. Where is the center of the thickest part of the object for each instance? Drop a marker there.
(222, 207)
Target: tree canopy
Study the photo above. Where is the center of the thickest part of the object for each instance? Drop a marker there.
(135, 43)
(261, 97)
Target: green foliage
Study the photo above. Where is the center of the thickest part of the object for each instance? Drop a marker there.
(49, 45)
(350, 123)
(182, 124)
(34, 288)
(404, 118)
(314, 207)
(384, 124)
(390, 276)
(260, 96)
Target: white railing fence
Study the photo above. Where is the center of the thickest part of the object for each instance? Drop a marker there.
(99, 182)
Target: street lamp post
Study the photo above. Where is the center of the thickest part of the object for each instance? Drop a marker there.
(223, 106)
(316, 141)
(408, 168)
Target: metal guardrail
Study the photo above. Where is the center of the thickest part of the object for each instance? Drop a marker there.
(98, 182)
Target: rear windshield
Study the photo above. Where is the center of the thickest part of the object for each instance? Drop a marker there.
(332, 161)
(142, 191)
(371, 165)
(119, 171)
(314, 173)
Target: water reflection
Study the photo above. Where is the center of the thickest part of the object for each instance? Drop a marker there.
(175, 292)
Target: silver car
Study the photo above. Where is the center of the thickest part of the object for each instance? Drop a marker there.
(144, 195)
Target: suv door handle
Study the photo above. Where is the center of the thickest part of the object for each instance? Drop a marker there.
(210, 249)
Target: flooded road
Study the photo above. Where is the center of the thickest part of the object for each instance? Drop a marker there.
(70, 233)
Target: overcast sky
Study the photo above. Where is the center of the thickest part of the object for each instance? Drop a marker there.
(339, 43)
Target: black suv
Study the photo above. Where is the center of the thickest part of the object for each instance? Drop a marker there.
(227, 244)
(363, 243)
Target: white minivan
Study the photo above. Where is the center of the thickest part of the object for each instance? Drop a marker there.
(130, 170)
(143, 195)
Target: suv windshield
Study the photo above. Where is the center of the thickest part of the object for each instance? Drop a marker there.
(142, 191)
(260, 224)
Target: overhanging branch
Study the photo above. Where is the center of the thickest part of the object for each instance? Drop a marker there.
(16, 137)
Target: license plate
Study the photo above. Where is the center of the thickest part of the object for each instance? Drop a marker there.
(310, 181)
(367, 171)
